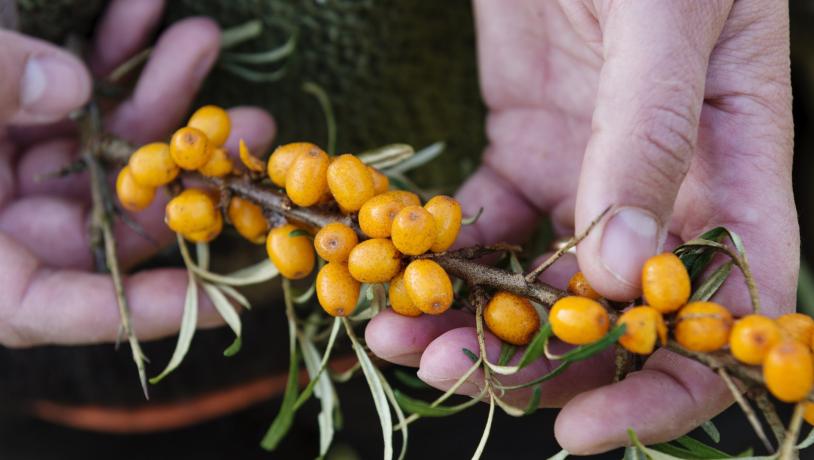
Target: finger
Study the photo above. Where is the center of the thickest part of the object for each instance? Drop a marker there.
(645, 125)
(124, 29)
(36, 165)
(252, 124)
(45, 306)
(41, 83)
(177, 66)
(401, 339)
(668, 398)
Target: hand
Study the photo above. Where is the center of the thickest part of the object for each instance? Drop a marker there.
(677, 114)
(49, 293)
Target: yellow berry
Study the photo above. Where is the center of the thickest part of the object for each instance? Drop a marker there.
(578, 320)
(219, 163)
(413, 230)
(212, 121)
(752, 337)
(406, 198)
(152, 165)
(248, 219)
(188, 148)
(337, 291)
(208, 234)
(428, 286)
(334, 242)
(374, 261)
(380, 182)
(578, 285)
(808, 415)
(665, 282)
(306, 180)
(796, 326)
(447, 214)
(283, 157)
(703, 326)
(350, 182)
(788, 371)
(292, 255)
(250, 161)
(643, 327)
(132, 196)
(377, 214)
(511, 318)
(193, 210)
(399, 298)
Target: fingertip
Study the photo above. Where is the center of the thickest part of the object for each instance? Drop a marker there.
(444, 362)
(122, 31)
(252, 124)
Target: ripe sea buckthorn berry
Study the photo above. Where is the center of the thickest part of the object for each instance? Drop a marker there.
(643, 327)
(292, 255)
(219, 163)
(248, 219)
(250, 161)
(193, 210)
(380, 182)
(752, 337)
(335, 241)
(212, 121)
(413, 230)
(152, 165)
(808, 415)
(665, 282)
(132, 195)
(703, 326)
(188, 148)
(578, 320)
(283, 157)
(406, 198)
(374, 261)
(428, 286)
(447, 214)
(306, 180)
(797, 326)
(788, 371)
(377, 214)
(511, 318)
(337, 291)
(578, 285)
(400, 300)
(350, 182)
(207, 235)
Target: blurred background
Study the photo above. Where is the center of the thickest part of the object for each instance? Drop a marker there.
(395, 71)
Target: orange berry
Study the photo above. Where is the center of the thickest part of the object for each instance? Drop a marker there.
(283, 157)
(248, 219)
(212, 121)
(511, 318)
(428, 286)
(808, 415)
(400, 300)
(350, 182)
(193, 210)
(413, 230)
(292, 255)
(152, 165)
(208, 234)
(219, 163)
(188, 148)
(306, 180)
(406, 198)
(643, 327)
(132, 196)
(797, 326)
(703, 326)
(250, 161)
(788, 371)
(752, 337)
(335, 241)
(337, 291)
(665, 282)
(578, 320)
(380, 182)
(377, 214)
(374, 261)
(447, 214)
(578, 285)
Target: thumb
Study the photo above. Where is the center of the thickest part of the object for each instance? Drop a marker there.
(38, 81)
(648, 106)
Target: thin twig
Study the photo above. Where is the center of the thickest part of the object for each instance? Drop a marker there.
(747, 409)
(765, 405)
(788, 451)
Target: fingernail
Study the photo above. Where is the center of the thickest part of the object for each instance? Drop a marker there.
(630, 237)
(52, 85)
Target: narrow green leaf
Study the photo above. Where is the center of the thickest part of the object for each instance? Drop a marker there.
(410, 380)
(388, 391)
(534, 402)
(698, 259)
(327, 110)
(202, 254)
(471, 355)
(699, 449)
(711, 430)
(472, 219)
(235, 295)
(805, 289)
(507, 352)
(306, 392)
(561, 455)
(306, 295)
(298, 232)
(675, 451)
(420, 158)
(323, 389)
(227, 312)
(233, 348)
(189, 321)
(536, 348)
(386, 155)
(258, 273)
(486, 430)
(424, 409)
(807, 442)
(710, 286)
(632, 453)
(514, 264)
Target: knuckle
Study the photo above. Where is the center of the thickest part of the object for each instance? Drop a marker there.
(665, 138)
